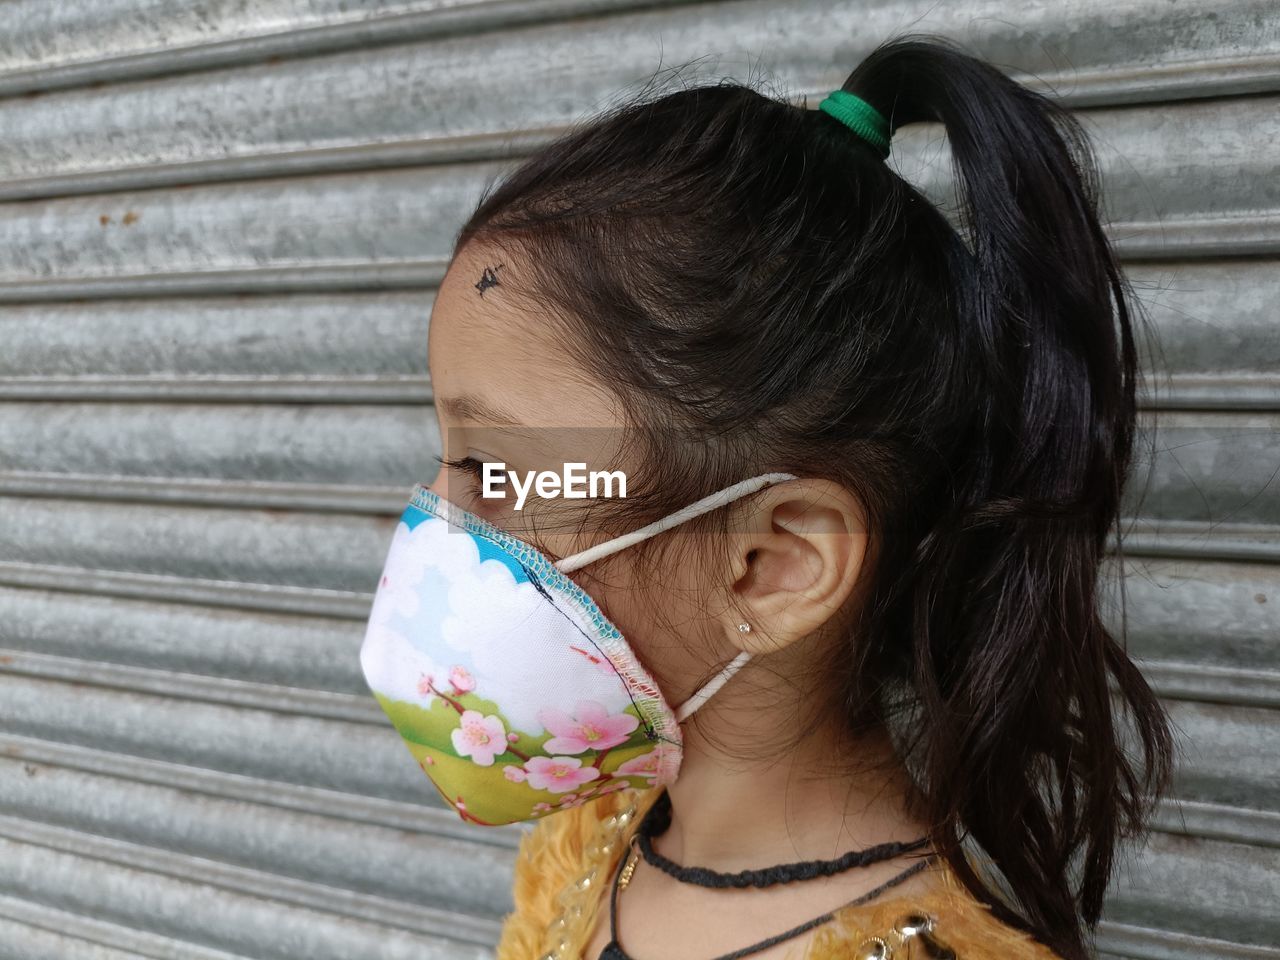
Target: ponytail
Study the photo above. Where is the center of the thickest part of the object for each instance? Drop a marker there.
(1017, 741)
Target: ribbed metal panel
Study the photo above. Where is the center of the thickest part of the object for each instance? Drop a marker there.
(197, 486)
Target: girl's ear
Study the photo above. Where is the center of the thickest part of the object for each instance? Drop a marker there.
(798, 550)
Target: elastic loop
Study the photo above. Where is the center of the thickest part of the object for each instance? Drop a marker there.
(695, 509)
(860, 117)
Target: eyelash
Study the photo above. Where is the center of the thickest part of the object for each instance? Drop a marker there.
(474, 471)
(466, 464)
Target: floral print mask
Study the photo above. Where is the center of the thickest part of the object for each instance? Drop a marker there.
(510, 687)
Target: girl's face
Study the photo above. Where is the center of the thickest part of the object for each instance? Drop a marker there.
(504, 392)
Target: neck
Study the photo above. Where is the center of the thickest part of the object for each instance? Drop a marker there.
(731, 815)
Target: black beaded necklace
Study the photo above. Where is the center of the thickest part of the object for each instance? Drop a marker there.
(657, 820)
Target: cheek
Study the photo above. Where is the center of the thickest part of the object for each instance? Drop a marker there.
(665, 623)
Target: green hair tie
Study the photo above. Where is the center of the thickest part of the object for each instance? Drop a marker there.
(860, 117)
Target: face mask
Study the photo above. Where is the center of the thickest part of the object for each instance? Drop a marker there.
(510, 687)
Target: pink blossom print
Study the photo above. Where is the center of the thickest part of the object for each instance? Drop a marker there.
(645, 765)
(462, 680)
(513, 773)
(590, 728)
(479, 737)
(542, 807)
(611, 786)
(558, 774)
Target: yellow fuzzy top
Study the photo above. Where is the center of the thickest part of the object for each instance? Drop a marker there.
(566, 862)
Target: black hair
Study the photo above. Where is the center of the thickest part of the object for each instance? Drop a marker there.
(764, 292)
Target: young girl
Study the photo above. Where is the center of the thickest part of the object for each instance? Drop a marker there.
(830, 680)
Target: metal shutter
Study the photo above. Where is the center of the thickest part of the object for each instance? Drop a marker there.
(220, 230)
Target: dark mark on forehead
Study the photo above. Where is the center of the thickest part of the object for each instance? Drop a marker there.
(489, 278)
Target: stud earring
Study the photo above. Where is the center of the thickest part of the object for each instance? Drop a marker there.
(744, 628)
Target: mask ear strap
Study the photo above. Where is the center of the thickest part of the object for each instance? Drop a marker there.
(697, 508)
(711, 686)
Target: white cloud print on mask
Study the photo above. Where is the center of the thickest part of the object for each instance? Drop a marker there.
(489, 616)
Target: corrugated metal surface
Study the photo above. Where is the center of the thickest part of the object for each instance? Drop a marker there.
(220, 230)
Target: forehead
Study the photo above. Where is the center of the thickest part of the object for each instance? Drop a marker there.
(489, 343)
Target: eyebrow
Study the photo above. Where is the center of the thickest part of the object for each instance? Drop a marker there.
(468, 406)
